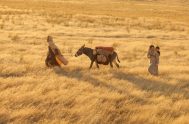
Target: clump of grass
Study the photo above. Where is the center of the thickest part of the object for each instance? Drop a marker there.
(59, 19)
(176, 53)
(21, 59)
(151, 36)
(2, 26)
(128, 29)
(15, 38)
(7, 18)
(66, 24)
(54, 20)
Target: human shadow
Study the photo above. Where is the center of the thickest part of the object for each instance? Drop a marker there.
(76, 73)
(183, 83)
(88, 78)
(152, 85)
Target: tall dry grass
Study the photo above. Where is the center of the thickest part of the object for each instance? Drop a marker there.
(33, 93)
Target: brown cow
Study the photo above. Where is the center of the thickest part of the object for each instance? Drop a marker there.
(99, 57)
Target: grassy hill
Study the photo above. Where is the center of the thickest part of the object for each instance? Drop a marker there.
(32, 93)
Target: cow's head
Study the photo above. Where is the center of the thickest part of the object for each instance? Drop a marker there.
(80, 51)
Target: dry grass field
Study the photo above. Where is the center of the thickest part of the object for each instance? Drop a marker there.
(32, 93)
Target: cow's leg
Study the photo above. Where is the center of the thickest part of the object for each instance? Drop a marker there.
(47, 63)
(116, 63)
(91, 64)
(110, 61)
(111, 65)
(96, 64)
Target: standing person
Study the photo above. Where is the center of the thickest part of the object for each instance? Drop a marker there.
(52, 52)
(150, 51)
(54, 56)
(153, 56)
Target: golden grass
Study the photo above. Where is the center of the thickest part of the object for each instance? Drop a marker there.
(32, 93)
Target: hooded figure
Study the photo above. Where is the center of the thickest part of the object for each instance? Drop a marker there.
(54, 56)
(153, 55)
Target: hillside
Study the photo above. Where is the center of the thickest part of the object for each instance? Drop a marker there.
(32, 93)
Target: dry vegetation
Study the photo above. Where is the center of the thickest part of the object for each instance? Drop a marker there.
(32, 93)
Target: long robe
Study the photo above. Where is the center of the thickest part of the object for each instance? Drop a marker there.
(154, 61)
(54, 56)
(51, 59)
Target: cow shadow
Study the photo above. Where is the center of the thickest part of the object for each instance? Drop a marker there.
(154, 86)
(80, 75)
(84, 77)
